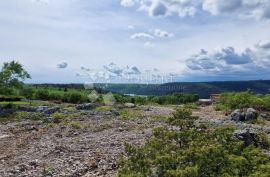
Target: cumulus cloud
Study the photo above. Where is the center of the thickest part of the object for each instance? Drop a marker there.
(141, 36)
(157, 8)
(127, 3)
(227, 61)
(62, 65)
(162, 34)
(219, 60)
(217, 7)
(132, 70)
(263, 44)
(114, 69)
(258, 9)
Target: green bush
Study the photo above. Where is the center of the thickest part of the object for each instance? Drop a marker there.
(42, 94)
(4, 98)
(58, 117)
(242, 100)
(193, 151)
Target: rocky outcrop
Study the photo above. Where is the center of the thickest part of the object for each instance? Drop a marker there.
(251, 114)
(238, 115)
(85, 106)
(246, 135)
(51, 110)
(129, 105)
(252, 136)
(42, 108)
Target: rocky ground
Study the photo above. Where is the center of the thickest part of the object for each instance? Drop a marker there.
(90, 145)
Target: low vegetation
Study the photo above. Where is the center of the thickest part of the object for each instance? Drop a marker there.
(193, 151)
(241, 100)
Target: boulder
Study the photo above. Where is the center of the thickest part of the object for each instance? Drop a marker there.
(51, 110)
(251, 114)
(246, 135)
(114, 112)
(85, 106)
(42, 108)
(238, 115)
(129, 105)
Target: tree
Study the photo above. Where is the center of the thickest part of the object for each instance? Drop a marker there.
(12, 76)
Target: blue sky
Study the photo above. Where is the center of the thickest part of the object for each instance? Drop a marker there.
(146, 41)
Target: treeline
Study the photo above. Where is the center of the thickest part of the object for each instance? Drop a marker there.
(55, 94)
(176, 98)
(71, 95)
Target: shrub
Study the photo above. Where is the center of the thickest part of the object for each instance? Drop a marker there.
(27, 92)
(10, 98)
(36, 116)
(42, 94)
(58, 117)
(195, 151)
(242, 100)
(73, 97)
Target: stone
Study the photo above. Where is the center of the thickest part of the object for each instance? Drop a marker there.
(42, 108)
(85, 106)
(237, 115)
(4, 136)
(114, 112)
(251, 114)
(48, 120)
(129, 105)
(51, 110)
(246, 135)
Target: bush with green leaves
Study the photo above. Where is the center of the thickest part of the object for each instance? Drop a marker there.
(191, 150)
(241, 100)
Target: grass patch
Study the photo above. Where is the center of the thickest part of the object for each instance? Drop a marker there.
(103, 108)
(15, 103)
(76, 125)
(126, 114)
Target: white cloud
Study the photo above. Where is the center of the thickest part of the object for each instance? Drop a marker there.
(62, 65)
(157, 8)
(228, 62)
(127, 3)
(217, 7)
(114, 69)
(258, 9)
(219, 60)
(162, 34)
(141, 36)
(264, 44)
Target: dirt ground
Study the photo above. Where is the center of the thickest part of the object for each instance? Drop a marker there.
(30, 149)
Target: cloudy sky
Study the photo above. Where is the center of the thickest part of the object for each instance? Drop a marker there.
(137, 40)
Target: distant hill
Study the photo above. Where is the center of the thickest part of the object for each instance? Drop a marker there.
(203, 89)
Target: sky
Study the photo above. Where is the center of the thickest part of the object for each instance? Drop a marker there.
(137, 41)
